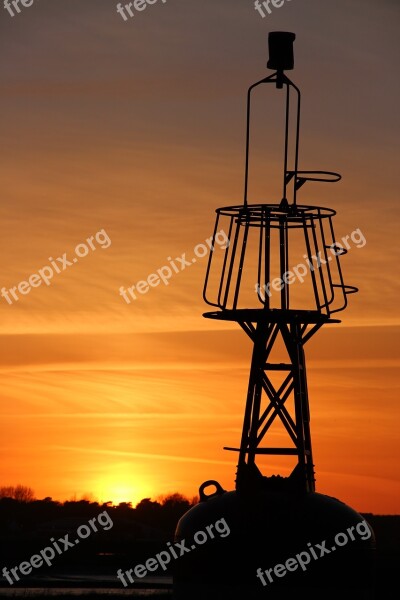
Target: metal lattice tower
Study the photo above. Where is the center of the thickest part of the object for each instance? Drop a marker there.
(250, 283)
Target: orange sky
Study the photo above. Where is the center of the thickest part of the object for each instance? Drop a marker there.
(137, 128)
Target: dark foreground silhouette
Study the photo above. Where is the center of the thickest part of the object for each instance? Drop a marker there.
(136, 534)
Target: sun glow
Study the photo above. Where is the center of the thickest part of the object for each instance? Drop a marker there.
(120, 489)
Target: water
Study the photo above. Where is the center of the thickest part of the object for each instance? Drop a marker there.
(92, 593)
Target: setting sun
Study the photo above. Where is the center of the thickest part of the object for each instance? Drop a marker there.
(119, 489)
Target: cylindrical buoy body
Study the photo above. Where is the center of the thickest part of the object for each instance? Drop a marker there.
(274, 545)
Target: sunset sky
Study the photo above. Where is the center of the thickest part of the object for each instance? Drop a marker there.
(137, 128)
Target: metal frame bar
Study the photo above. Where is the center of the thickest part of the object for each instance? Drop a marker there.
(255, 425)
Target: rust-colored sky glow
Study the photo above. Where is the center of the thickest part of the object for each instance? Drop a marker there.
(137, 128)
